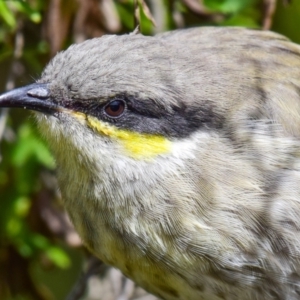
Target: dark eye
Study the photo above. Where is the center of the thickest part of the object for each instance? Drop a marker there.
(115, 108)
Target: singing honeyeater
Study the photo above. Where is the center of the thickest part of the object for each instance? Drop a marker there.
(178, 157)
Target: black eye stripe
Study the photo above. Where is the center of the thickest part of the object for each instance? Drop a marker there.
(150, 115)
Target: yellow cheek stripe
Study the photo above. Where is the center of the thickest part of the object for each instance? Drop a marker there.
(138, 145)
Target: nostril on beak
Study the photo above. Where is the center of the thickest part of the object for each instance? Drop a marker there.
(39, 92)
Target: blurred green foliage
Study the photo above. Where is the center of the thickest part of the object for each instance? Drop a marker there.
(24, 156)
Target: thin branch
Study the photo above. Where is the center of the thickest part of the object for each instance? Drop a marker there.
(136, 14)
(269, 10)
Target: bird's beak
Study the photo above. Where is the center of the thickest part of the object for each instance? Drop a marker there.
(35, 97)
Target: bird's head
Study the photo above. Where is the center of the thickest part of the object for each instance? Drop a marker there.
(135, 98)
(114, 109)
(115, 95)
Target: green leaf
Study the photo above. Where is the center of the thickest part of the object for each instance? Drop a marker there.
(14, 226)
(7, 15)
(241, 20)
(58, 257)
(21, 206)
(145, 23)
(126, 14)
(227, 6)
(30, 12)
(40, 241)
(29, 145)
(25, 250)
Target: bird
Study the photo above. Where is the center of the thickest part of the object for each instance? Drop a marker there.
(178, 157)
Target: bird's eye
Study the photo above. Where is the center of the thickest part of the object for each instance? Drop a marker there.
(115, 108)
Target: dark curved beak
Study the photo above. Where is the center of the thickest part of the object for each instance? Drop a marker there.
(34, 97)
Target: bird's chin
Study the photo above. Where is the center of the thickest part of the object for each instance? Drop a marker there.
(66, 133)
(59, 121)
(55, 128)
(48, 124)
